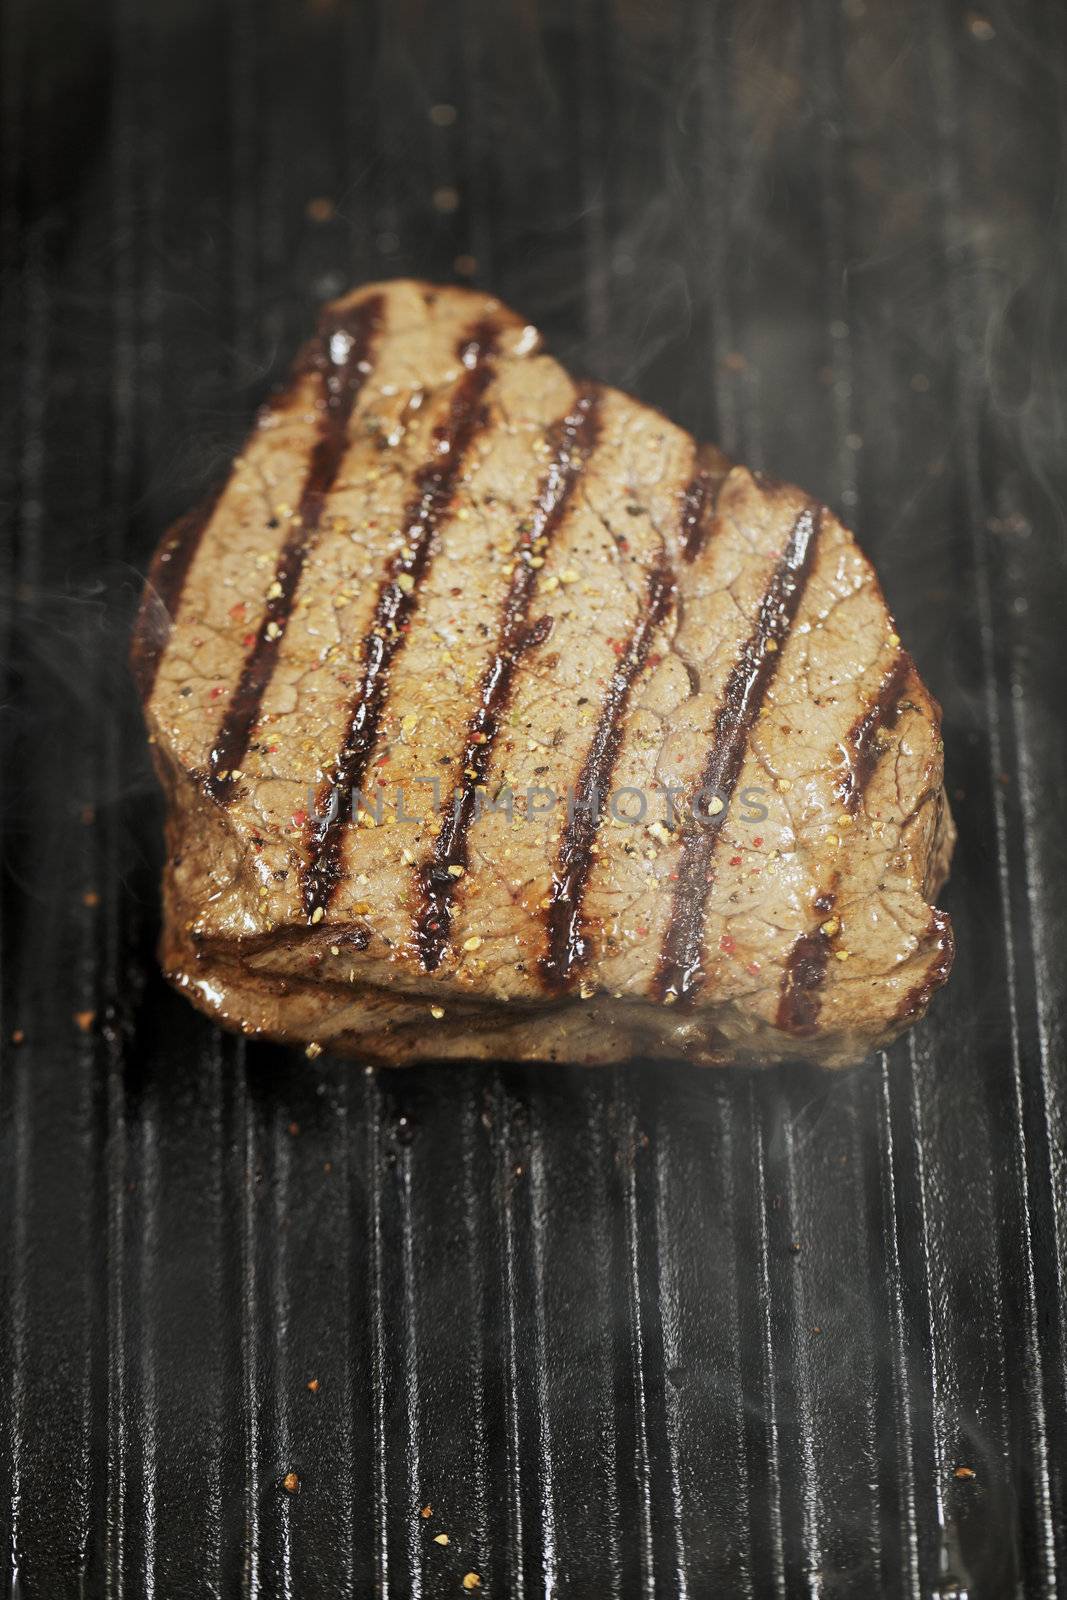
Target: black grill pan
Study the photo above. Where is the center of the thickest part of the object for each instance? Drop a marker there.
(641, 1332)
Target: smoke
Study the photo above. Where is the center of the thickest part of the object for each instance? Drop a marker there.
(70, 728)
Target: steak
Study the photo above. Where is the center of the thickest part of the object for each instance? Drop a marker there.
(497, 718)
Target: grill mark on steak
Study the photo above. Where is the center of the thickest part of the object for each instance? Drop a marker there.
(805, 966)
(567, 946)
(864, 751)
(939, 937)
(805, 974)
(166, 581)
(700, 500)
(679, 971)
(345, 347)
(435, 483)
(573, 438)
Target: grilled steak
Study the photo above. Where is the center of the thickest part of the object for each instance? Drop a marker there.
(497, 718)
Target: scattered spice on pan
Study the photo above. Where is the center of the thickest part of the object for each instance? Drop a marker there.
(471, 1580)
(90, 898)
(18, 1037)
(313, 1385)
(85, 1020)
(313, 1050)
(427, 1511)
(440, 1538)
(964, 1472)
(291, 1483)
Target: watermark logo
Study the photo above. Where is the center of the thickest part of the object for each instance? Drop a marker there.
(629, 806)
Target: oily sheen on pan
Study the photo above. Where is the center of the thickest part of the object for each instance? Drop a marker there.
(498, 718)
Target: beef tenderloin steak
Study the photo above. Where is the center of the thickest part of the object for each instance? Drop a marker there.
(497, 718)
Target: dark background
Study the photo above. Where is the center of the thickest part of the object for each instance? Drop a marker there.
(632, 1332)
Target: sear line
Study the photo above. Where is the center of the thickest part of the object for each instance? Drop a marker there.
(806, 963)
(680, 972)
(573, 439)
(568, 947)
(701, 498)
(435, 485)
(939, 939)
(864, 747)
(345, 351)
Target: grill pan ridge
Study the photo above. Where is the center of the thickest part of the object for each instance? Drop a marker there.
(636, 1332)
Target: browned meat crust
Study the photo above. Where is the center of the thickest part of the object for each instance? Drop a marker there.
(436, 679)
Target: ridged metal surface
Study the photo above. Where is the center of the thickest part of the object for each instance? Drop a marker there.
(634, 1332)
